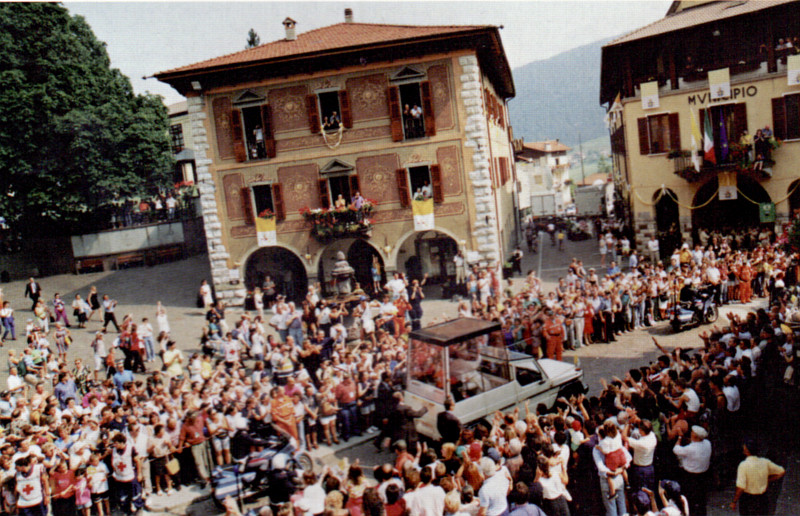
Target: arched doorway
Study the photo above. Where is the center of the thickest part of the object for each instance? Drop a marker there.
(742, 212)
(285, 268)
(428, 252)
(794, 199)
(359, 254)
(668, 226)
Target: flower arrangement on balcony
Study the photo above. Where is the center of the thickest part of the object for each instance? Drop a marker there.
(341, 222)
(186, 189)
(738, 160)
(267, 214)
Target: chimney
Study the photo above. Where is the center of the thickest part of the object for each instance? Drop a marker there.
(289, 24)
(348, 15)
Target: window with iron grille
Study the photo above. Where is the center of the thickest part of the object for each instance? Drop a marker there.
(176, 133)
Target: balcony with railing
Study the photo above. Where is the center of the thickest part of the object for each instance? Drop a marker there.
(348, 221)
(739, 159)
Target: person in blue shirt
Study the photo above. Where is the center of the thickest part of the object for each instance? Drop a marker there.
(121, 378)
(65, 390)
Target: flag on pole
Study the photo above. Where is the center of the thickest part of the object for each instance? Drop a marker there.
(696, 139)
(723, 138)
(708, 140)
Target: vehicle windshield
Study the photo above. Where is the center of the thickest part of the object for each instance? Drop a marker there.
(426, 370)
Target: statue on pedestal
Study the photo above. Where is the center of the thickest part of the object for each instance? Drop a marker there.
(343, 274)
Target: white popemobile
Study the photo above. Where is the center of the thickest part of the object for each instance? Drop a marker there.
(467, 360)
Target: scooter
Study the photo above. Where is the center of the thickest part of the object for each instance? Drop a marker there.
(248, 477)
(700, 310)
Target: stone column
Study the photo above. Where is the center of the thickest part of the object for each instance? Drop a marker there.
(217, 253)
(477, 136)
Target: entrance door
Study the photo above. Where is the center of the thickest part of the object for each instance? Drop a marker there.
(436, 258)
(360, 256)
(668, 229)
(728, 215)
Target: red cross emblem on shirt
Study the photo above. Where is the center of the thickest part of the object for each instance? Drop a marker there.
(121, 466)
(28, 489)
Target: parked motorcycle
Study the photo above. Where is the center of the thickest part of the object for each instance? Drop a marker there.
(702, 309)
(272, 460)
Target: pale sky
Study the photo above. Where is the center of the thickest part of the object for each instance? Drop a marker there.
(144, 38)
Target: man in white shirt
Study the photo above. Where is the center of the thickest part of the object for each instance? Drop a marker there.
(643, 442)
(495, 488)
(429, 499)
(695, 459)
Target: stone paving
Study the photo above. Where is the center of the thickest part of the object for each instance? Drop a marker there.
(176, 285)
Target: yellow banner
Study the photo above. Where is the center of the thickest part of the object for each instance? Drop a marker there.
(266, 232)
(649, 94)
(719, 83)
(423, 215)
(793, 65)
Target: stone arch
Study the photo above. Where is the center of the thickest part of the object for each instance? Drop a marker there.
(667, 217)
(432, 252)
(359, 253)
(284, 264)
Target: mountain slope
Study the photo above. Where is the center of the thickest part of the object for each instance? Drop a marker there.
(558, 97)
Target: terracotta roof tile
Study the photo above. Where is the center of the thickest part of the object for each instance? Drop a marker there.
(700, 15)
(555, 146)
(332, 37)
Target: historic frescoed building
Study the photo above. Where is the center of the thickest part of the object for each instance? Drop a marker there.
(688, 96)
(285, 134)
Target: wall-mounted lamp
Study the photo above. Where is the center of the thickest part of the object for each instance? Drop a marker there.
(307, 255)
(387, 249)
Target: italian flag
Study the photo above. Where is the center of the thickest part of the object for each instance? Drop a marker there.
(708, 140)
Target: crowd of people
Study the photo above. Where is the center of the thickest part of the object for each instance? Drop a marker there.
(81, 438)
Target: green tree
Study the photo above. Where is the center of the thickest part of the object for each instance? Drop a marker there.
(73, 136)
(253, 40)
(603, 165)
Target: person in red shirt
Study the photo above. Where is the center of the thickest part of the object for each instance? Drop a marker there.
(346, 396)
(192, 436)
(282, 409)
(554, 335)
(63, 488)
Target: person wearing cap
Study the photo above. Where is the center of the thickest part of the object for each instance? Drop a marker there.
(752, 480)
(695, 459)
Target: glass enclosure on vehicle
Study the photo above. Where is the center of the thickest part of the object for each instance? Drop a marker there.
(460, 359)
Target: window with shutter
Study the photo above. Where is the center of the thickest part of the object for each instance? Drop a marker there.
(354, 185)
(427, 109)
(436, 183)
(277, 201)
(313, 113)
(324, 198)
(402, 187)
(265, 197)
(239, 152)
(344, 104)
(674, 132)
(644, 138)
(247, 204)
(395, 114)
(269, 138)
(786, 117)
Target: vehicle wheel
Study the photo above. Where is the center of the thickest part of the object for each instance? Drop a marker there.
(712, 314)
(696, 319)
(676, 325)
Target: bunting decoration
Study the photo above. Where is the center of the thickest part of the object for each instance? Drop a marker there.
(719, 82)
(649, 94)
